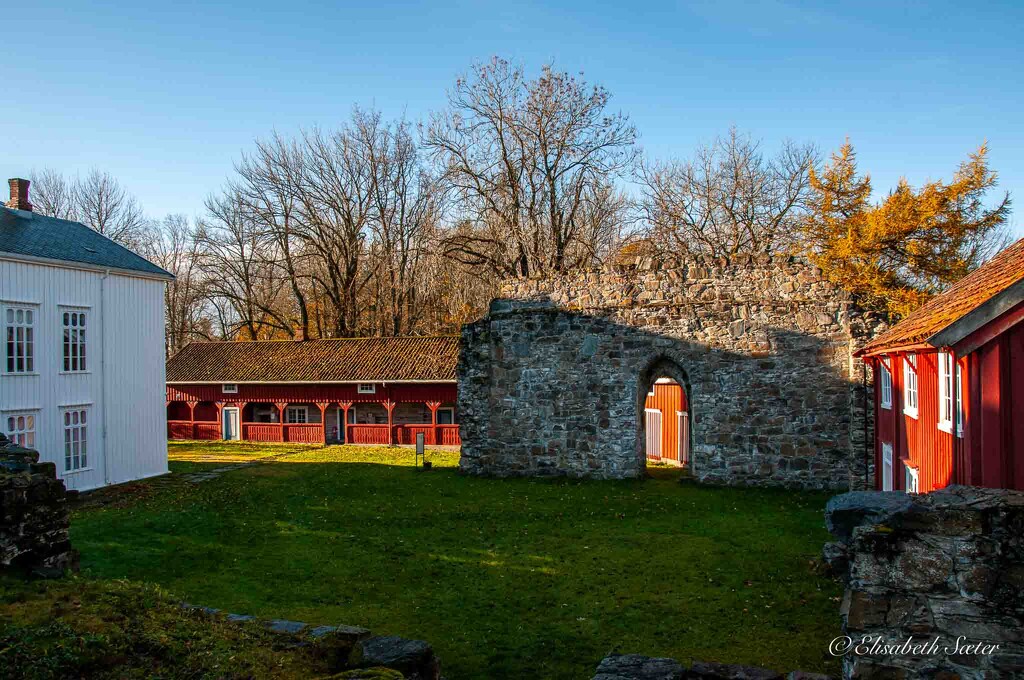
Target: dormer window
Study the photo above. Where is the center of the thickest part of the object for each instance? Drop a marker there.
(229, 388)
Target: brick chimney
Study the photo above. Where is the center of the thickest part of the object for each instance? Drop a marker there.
(19, 194)
(300, 335)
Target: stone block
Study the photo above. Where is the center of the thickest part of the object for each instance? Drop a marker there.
(638, 667)
(414, 658)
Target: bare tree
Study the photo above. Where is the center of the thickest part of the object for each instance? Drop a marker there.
(241, 280)
(404, 215)
(177, 250)
(53, 194)
(526, 160)
(98, 200)
(728, 199)
(103, 204)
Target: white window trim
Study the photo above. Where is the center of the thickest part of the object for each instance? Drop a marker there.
(959, 408)
(229, 388)
(448, 409)
(15, 413)
(945, 360)
(910, 406)
(885, 385)
(34, 308)
(366, 388)
(305, 415)
(81, 344)
(912, 479)
(89, 426)
(887, 480)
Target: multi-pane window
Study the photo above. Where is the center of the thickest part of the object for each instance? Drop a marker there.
(229, 388)
(959, 401)
(886, 467)
(946, 396)
(366, 388)
(20, 428)
(19, 341)
(75, 439)
(911, 479)
(74, 340)
(886, 385)
(296, 415)
(910, 385)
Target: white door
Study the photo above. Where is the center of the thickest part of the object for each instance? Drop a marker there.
(683, 432)
(653, 423)
(231, 429)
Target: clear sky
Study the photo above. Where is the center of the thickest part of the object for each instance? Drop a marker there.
(167, 97)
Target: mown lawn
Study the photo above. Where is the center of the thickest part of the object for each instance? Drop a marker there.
(193, 456)
(512, 578)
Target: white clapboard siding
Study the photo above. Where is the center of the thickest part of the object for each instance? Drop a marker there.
(124, 385)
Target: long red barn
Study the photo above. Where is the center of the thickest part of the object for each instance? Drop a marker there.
(352, 390)
(949, 385)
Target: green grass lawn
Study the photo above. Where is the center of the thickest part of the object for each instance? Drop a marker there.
(511, 578)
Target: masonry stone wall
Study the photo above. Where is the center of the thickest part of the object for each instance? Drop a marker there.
(552, 381)
(33, 514)
(934, 583)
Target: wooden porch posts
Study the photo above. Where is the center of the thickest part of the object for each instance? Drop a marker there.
(281, 406)
(192, 418)
(322, 405)
(433, 406)
(345, 406)
(390, 406)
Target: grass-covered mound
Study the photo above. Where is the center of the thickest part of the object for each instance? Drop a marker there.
(83, 628)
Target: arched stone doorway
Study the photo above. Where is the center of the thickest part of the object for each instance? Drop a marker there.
(664, 414)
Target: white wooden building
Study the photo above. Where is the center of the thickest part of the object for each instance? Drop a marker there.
(82, 374)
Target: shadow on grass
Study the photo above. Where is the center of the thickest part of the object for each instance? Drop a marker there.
(518, 578)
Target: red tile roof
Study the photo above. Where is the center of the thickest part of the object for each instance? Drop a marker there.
(967, 294)
(421, 359)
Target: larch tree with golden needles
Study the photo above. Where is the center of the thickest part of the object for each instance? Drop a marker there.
(896, 254)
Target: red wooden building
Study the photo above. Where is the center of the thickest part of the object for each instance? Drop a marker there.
(949, 385)
(667, 423)
(355, 390)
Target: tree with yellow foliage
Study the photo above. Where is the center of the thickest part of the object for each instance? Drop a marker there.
(896, 254)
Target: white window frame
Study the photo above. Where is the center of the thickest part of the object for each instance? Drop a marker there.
(366, 388)
(447, 409)
(25, 433)
(229, 388)
(304, 410)
(73, 323)
(75, 425)
(910, 388)
(912, 479)
(946, 397)
(959, 383)
(28, 337)
(887, 481)
(885, 384)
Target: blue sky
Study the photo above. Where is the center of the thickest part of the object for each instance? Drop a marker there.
(166, 98)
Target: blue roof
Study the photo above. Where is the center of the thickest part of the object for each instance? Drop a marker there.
(34, 235)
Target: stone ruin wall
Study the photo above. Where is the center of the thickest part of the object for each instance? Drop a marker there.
(550, 381)
(934, 583)
(34, 518)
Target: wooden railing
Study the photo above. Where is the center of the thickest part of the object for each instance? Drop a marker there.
(313, 433)
(367, 434)
(186, 429)
(306, 434)
(449, 435)
(262, 432)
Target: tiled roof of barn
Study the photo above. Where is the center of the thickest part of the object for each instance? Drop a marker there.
(421, 359)
(968, 294)
(34, 235)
